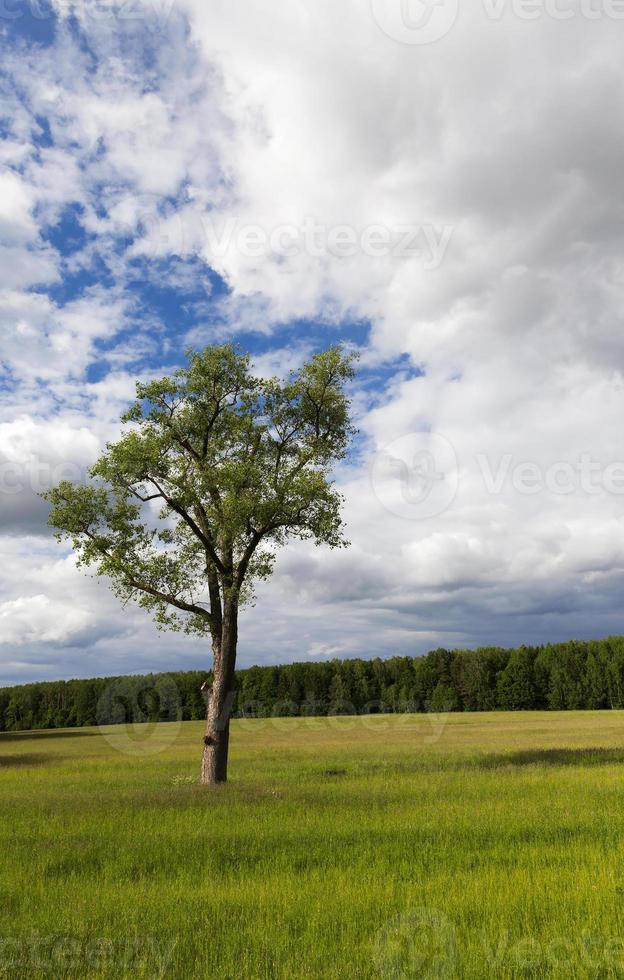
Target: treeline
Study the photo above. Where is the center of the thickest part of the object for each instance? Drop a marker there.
(561, 676)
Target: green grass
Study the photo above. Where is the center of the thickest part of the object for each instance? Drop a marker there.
(405, 846)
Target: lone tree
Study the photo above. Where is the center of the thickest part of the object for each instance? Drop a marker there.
(185, 511)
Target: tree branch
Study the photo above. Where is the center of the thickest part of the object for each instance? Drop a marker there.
(150, 590)
(186, 517)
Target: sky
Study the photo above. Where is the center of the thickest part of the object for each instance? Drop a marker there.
(436, 186)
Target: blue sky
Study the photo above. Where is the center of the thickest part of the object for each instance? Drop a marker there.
(178, 173)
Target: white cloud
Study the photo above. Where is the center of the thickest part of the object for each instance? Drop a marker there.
(269, 118)
(44, 341)
(16, 203)
(37, 618)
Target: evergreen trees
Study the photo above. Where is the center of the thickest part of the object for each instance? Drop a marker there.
(516, 686)
(558, 677)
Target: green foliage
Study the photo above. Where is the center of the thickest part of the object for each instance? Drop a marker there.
(563, 676)
(216, 469)
(476, 678)
(444, 698)
(517, 688)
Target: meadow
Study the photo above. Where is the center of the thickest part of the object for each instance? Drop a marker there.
(463, 845)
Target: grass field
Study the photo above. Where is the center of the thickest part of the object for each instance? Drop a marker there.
(404, 846)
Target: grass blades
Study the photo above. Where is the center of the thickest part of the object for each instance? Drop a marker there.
(484, 845)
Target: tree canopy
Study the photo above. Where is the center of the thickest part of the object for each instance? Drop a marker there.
(217, 467)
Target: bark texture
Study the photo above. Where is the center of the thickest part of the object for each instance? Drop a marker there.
(220, 700)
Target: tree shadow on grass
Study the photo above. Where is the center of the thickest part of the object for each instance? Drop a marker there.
(25, 760)
(553, 757)
(48, 733)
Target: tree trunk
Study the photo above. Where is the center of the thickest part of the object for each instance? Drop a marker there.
(220, 701)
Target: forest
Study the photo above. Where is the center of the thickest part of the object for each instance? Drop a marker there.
(562, 676)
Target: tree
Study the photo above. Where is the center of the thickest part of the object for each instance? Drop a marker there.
(444, 698)
(476, 677)
(216, 470)
(516, 683)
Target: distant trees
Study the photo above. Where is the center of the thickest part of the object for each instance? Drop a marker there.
(557, 677)
(476, 674)
(516, 687)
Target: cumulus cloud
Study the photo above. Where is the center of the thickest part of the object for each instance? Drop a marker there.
(38, 618)
(460, 197)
